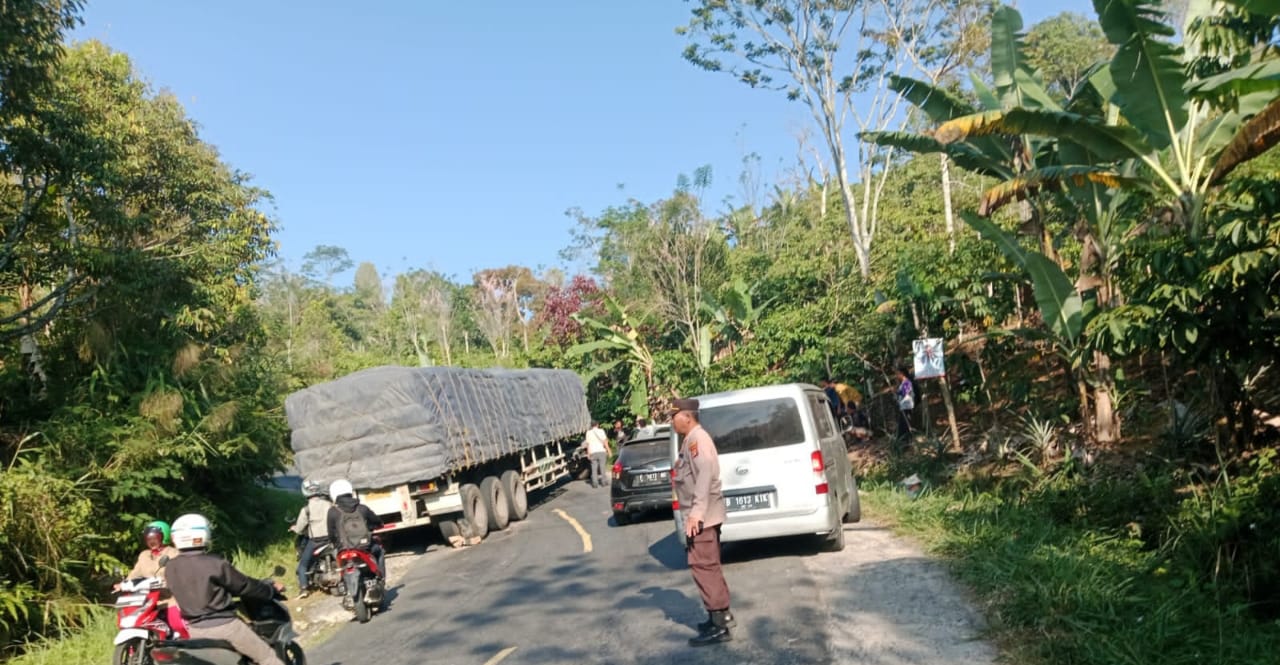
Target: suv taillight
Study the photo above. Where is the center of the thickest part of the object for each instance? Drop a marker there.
(617, 470)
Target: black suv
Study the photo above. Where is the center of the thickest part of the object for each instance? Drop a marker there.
(642, 474)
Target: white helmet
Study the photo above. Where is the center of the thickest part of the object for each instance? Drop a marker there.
(339, 487)
(192, 531)
(312, 488)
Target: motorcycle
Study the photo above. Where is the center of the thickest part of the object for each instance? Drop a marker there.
(141, 620)
(324, 573)
(365, 587)
(270, 619)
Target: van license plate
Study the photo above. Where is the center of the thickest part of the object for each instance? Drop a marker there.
(755, 501)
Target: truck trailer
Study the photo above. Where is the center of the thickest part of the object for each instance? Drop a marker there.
(458, 448)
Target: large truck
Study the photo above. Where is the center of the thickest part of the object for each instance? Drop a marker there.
(458, 448)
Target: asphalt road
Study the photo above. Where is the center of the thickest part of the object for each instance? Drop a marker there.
(567, 586)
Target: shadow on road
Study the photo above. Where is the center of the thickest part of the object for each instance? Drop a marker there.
(670, 553)
(676, 606)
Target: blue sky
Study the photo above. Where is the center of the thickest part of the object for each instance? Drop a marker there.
(453, 135)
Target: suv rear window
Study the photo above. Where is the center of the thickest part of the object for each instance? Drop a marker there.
(644, 450)
(738, 428)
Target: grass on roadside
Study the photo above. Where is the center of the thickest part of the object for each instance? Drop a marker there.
(1066, 582)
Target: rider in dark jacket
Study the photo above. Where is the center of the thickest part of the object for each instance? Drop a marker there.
(206, 586)
(345, 501)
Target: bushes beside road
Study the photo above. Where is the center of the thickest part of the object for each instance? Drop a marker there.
(1139, 565)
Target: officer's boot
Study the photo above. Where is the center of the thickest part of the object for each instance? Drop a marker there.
(729, 622)
(717, 633)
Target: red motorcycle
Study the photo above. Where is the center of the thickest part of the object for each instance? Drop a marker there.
(141, 620)
(362, 581)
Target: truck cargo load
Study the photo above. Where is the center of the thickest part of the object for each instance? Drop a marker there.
(389, 425)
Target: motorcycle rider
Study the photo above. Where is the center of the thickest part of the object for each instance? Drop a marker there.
(205, 586)
(312, 526)
(155, 536)
(346, 502)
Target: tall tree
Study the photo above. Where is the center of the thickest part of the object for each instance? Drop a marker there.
(368, 288)
(423, 303)
(325, 261)
(1065, 48)
(505, 300)
(836, 57)
(31, 34)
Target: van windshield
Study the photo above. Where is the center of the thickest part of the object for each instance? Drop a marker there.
(738, 428)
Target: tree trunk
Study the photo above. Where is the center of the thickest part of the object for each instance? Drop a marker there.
(860, 246)
(951, 413)
(946, 204)
(28, 345)
(1106, 419)
(1086, 413)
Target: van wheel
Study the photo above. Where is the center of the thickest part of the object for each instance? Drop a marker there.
(855, 504)
(835, 541)
(516, 495)
(473, 509)
(495, 503)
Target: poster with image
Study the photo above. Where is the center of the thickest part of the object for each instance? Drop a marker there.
(928, 358)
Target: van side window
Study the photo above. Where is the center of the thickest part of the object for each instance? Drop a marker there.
(822, 416)
(749, 426)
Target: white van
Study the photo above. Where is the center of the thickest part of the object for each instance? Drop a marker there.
(783, 464)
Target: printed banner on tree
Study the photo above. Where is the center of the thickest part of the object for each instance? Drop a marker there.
(928, 358)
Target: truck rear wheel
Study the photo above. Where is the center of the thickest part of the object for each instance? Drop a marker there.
(452, 532)
(495, 503)
(516, 495)
(473, 509)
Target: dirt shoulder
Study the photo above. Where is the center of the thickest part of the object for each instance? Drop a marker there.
(890, 604)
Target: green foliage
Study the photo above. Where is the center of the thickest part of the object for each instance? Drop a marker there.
(1064, 48)
(1112, 569)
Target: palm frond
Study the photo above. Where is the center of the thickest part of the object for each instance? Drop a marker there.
(1257, 135)
(1033, 182)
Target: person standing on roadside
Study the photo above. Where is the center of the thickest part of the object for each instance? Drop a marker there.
(597, 445)
(906, 395)
(701, 499)
(619, 433)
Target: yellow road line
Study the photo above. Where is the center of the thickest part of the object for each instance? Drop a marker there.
(586, 537)
(500, 655)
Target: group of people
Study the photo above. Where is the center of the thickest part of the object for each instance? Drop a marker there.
(334, 516)
(204, 586)
(846, 402)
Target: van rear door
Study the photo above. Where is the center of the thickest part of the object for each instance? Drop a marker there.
(835, 454)
(766, 457)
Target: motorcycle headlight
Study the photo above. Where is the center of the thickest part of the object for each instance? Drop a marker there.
(129, 621)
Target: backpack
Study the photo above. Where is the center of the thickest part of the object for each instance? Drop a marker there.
(353, 530)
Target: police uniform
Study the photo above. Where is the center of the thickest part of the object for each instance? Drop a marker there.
(698, 490)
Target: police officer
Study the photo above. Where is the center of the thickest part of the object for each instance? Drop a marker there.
(702, 507)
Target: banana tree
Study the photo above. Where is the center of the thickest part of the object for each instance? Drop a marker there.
(1141, 123)
(1025, 165)
(733, 315)
(1004, 157)
(619, 343)
(1186, 133)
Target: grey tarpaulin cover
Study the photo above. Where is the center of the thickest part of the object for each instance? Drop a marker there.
(389, 425)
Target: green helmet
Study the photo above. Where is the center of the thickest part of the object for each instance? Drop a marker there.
(158, 525)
